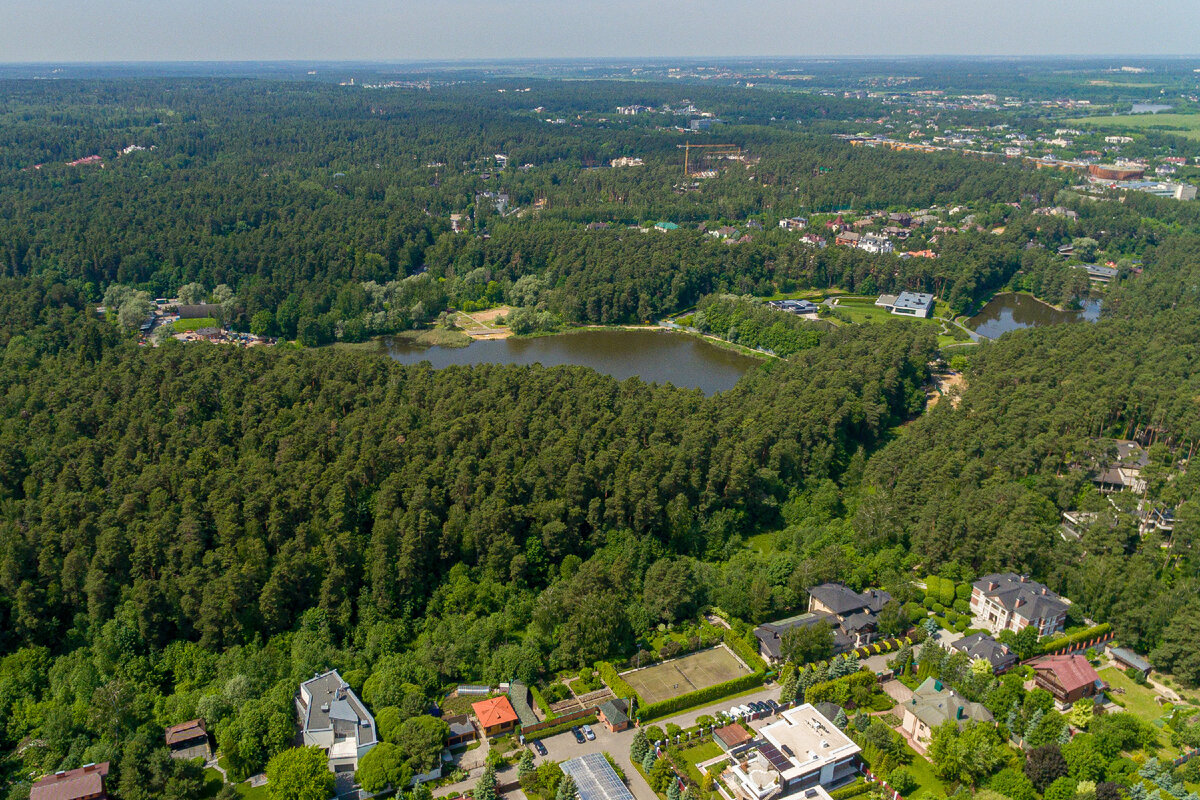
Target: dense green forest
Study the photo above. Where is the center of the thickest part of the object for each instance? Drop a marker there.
(192, 529)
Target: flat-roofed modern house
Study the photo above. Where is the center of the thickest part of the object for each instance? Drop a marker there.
(802, 752)
(85, 783)
(933, 704)
(907, 304)
(334, 719)
(1007, 601)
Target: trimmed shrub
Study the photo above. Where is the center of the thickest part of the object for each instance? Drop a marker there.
(1063, 642)
(840, 690)
(744, 650)
(853, 790)
(620, 687)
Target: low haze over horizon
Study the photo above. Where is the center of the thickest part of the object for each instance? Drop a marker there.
(221, 30)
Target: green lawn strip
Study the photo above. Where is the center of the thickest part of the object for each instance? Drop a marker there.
(213, 783)
(182, 325)
(1138, 700)
(251, 792)
(699, 754)
(1178, 124)
(928, 785)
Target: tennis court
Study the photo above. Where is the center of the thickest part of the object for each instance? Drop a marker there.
(687, 674)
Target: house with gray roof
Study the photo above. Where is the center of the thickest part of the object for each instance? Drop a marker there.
(1007, 601)
(854, 618)
(983, 646)
(335, 720)
(933, 704)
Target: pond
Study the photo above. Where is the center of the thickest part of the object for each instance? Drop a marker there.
(654, 356)
(1011, 312)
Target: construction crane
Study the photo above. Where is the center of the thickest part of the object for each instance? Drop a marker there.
(715, 150)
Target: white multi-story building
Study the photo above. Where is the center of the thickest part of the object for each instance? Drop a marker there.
(334, 719)
(801, 752)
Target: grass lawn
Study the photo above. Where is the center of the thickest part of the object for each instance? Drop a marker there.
(928, 785)
(251, 792)
(1187, 125)
(1138, 700)
(181, 325)
(698, 754)
(764, 542)
(213, 783)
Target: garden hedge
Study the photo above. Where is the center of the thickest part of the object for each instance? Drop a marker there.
(853, 790)
(620, 687)
(1063, 642)
(744, 650)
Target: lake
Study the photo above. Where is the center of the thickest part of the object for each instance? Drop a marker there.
(1012, 312)
(1148, 108)
(654, 356)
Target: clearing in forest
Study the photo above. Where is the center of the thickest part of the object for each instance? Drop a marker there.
(687, 674)
(482, 324)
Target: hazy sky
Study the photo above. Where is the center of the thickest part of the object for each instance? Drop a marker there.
(164, 30)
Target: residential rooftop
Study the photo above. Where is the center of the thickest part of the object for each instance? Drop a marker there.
(807, 740)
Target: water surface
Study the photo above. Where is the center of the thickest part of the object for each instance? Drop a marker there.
(653, 356)
(1012, 312)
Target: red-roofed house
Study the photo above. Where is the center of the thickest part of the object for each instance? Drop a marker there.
(495, 715)
(188, 740)
(1068, 678)
(85, 783)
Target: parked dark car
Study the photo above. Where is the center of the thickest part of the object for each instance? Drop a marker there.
(578, 734)
(774, 706)
(539, 747)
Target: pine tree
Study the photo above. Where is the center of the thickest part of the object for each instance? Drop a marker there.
(840, 720)
(566, 789)
(485, 789)
(639, 747)
(525, 766)
(673, 790)
(1034, 721)
(648, 761)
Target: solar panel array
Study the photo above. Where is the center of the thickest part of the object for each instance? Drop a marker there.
(778, 760)
(595, 779)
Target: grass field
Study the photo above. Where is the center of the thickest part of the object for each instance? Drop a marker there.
(697, 755)
(1138, 700)
(683, 675)
(182, 325)
(1187, 125)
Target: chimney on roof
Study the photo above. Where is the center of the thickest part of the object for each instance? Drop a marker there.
(89, 767)
(959, 714)
(992, 586)
(1020, 602)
